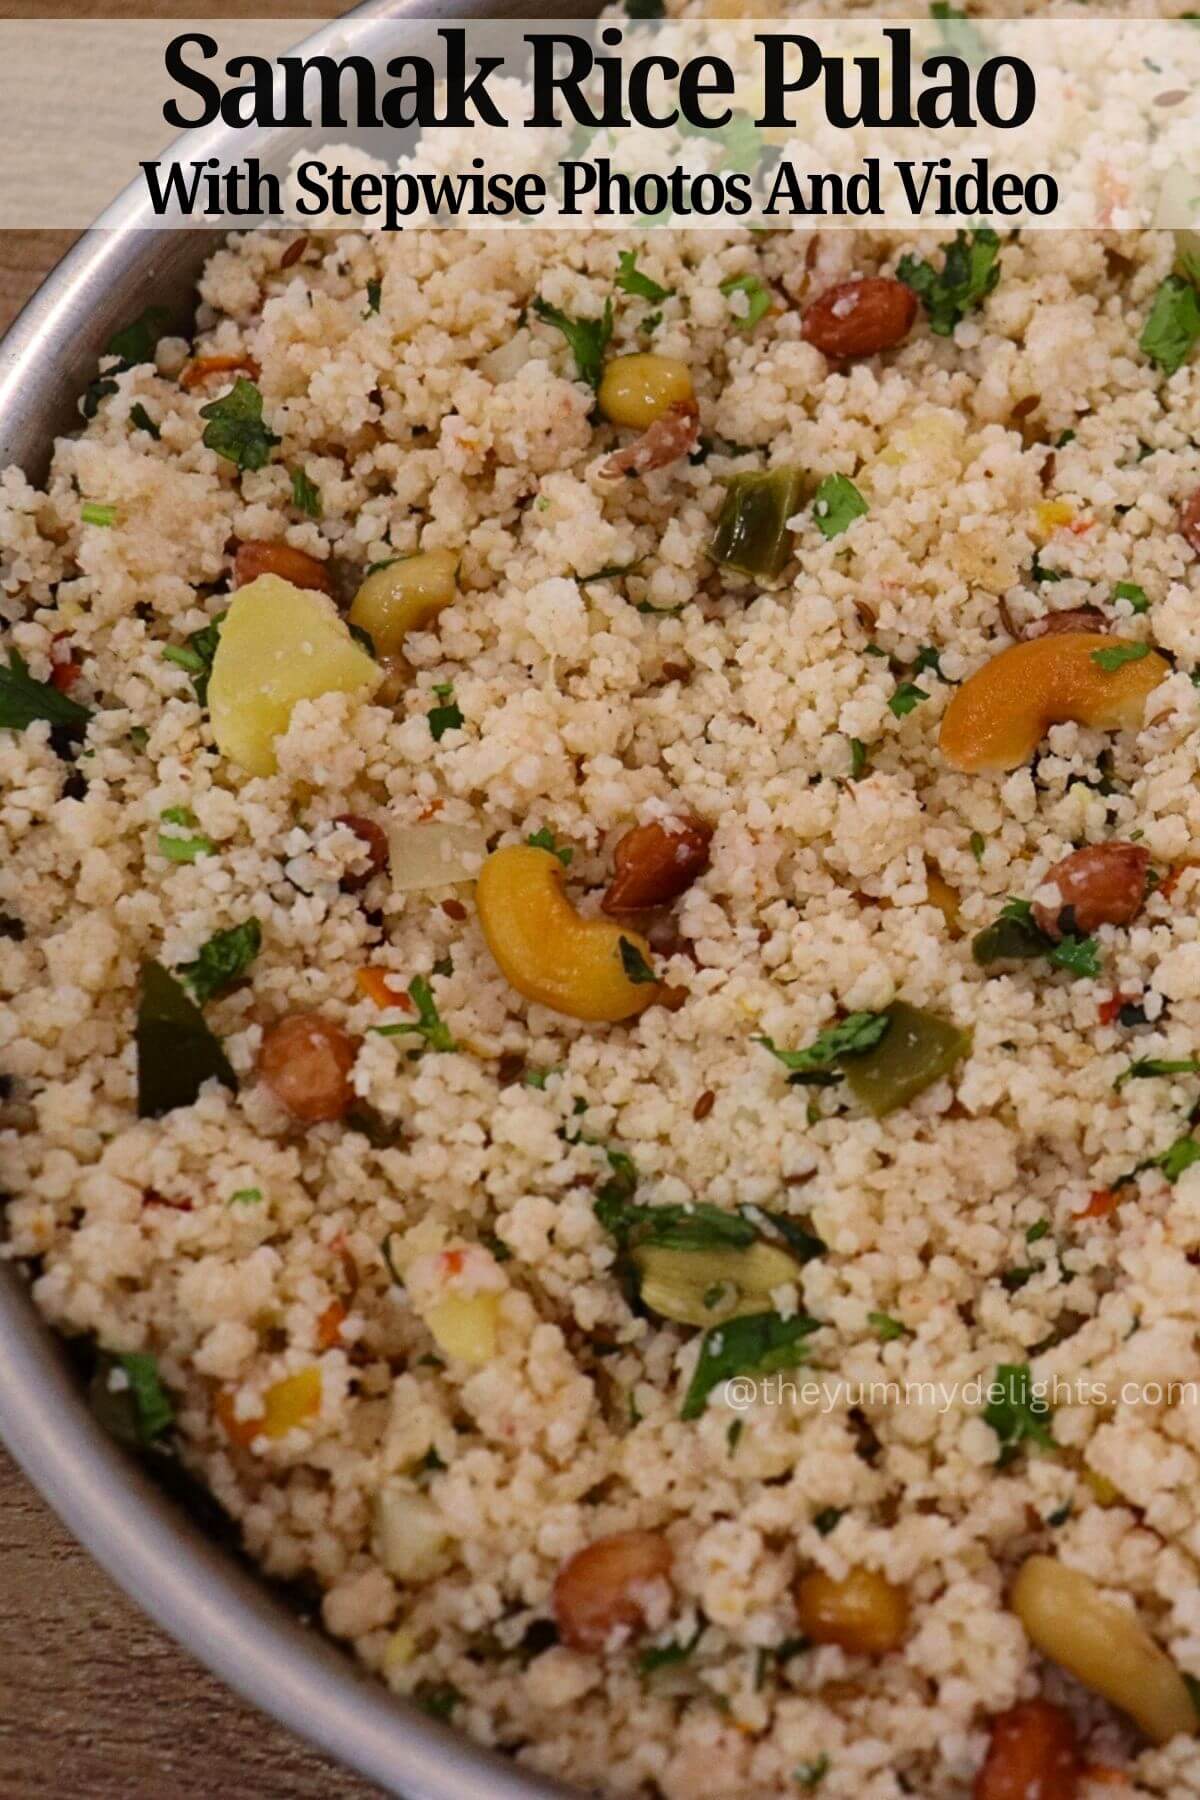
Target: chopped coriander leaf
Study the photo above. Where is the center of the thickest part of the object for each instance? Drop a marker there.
(437, 1698)
(1173, 324)
(176, 1051)
(760, 1343)
(94, 512)
(24, 700)
(758, 300)
(836, 505)
(197, 656)
(236, 430)
(446, 716)
(630, 279)
(970, 270)
(858, 758)
(613, 572)
(1037, 1232)
(636, 968)
(1177, 1157)
(139, 737)
(1136, 596)
(222, 960)
(96, 391)
(186, 844)
(306, 497)
(139, 417)
(826, 1520)
(977, 841)
(184, 657)
(1012, 1280)
(1115, 656)
(811, 1774)
(859, 1032)
(733, 1435)
(245, 1197)
(906, 698)
(666, 1656)
(928, 657)
(1080, 956)
(1017, 1413)
(740, 139)
(136, 343)
(385, 1250)
(886, 1328)
(128, 1397)
(700, 1226)
(1065, 438)
(588, 338)
(544, 839)
(1016, 937)
(1147, 1066)
(428, 1022)
(959, 35)
(1038, 572)
(374, 296)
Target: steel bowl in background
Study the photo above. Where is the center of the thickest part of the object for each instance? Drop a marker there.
(205, 1595)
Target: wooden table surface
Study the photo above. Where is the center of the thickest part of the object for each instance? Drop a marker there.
(95, 1701)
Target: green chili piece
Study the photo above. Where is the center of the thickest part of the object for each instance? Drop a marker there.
(917, 1049)
(752, 535)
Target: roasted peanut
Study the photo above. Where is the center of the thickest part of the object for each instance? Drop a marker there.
(586, 968)
(636, 390)
(865, 1614)
(998, 717)
(372, 834)
(297, 566)
(602, 1593)
(403, 596)
(1081, 618)
(654, 863)
(1105, 1646)
(1189, 521)
(672, 435)
(1102, 884)
(860, 317)
(1033, 1755)
(306, 1061)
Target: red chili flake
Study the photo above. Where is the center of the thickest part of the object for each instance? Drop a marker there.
(1109, 1009)
(329, 1326)
(345, 1256)
(375, 838)
(1102, 1202)
(454, 909)
(64, 675)
(1174, 876)
(152, 1197)
(293, 253)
